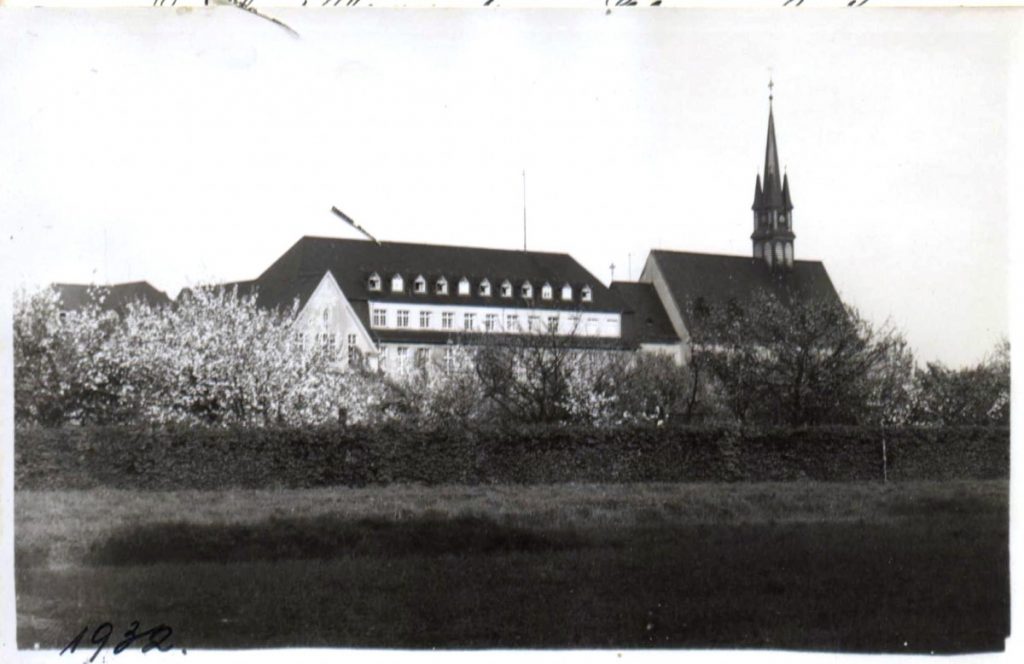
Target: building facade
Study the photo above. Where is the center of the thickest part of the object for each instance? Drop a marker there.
(398, 306)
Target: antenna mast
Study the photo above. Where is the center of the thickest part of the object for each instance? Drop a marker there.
(351, 222)
(524, 209)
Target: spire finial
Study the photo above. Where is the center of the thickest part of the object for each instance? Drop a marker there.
(771, 86)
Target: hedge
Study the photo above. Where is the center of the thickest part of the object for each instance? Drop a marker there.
(214, 458)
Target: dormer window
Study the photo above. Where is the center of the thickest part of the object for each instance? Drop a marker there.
(506, 288)
(586, 294)
(464, 286)
(545, 291)
(567, 293)
(397, 284)
(485, 288)
(526, 290)
(420, 285)
(373, 283)
(441, 286)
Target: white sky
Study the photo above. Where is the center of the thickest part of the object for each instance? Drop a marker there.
(198, 146)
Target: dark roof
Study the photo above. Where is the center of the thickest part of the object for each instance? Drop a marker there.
(646, 322)
(300, 269)
(719, 279)
(110, 297)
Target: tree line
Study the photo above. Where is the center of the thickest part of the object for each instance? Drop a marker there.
(215, 357)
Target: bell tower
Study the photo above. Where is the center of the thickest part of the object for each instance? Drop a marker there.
(773, 210)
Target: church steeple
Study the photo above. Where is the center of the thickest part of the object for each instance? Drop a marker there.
(773, 220)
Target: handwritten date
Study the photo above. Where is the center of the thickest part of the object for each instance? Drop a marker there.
(158, 638)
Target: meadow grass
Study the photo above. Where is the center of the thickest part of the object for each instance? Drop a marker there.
(915, 567)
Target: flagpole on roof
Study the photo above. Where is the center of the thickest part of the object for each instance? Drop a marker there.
(524, 209)
(351, 222)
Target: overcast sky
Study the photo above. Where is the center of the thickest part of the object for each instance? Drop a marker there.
(198, 146)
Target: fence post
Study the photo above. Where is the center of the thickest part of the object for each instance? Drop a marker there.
(885, 461)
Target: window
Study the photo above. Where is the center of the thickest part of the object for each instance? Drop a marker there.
(373, 283)
(592, 327)
(328, 341)
(424, 319)
(485, 288)
(383, 358)
(397, 284)
(327, 314)
(545, 291)
(491, 322)
(441, 286)
(534, 323)
(403, 318)
(353, 350)
(567, 293)
(468, 321)
(449, 359)
(526, 290)
(464, 286)
(512, 322)
(506, 288)
(401, 358)
(447, 320)
(420, 359)
(574, 323)
(380, 318)
(420, 285)
(552, 324)
(586, 294)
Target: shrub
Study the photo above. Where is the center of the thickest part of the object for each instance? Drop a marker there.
(179, 456)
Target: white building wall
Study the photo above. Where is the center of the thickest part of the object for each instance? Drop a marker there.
(328, 319)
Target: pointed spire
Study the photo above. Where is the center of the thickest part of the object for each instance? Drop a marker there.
(772, 196)
(771, 156)
(787, 204)
(757, 194)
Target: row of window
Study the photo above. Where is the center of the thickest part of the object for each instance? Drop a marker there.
(487, 322)
(419, 286)
(328, 341)
(419, 359)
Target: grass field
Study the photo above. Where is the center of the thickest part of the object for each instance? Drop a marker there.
(867, 567)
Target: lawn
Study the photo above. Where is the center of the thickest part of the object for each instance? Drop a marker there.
(866, 567)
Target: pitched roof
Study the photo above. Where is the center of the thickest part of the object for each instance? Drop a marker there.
(719, 279)
(296, 274)
(647, 321)
(109, 297)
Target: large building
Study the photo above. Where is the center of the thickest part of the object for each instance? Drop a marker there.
(396, 306)
(402, 305)
(676, 280)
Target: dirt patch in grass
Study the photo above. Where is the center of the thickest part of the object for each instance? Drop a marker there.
(323, 537)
